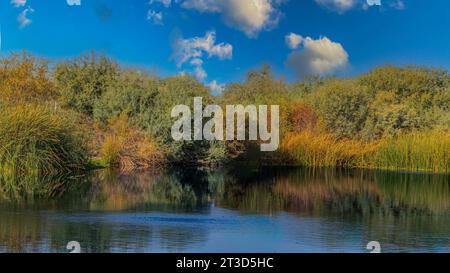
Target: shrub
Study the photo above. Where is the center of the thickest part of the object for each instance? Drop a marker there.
(83, 80)
(133, 94)
(302, 117)
(128, 147)
(405, 99)
(342, 104)
(24, 78)
(405, 81)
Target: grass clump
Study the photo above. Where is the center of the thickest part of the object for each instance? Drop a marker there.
(308, 148)
(37, 140)
(417, 151)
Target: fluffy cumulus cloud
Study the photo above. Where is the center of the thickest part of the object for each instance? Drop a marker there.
(23, 17)
(194, 50)
(73, 2)
(249, 16)
(155, 17)
(18, 3)
(317, 57)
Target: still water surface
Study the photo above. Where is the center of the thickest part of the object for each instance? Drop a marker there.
(238, 210)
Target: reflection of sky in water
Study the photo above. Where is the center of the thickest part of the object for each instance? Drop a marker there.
(303, 216)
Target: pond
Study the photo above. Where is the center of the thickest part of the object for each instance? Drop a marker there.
(240, 209)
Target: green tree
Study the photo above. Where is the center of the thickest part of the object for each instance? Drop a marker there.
(83, 80)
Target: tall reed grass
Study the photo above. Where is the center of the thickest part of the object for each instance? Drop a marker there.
(308, 148)
(38, 140)
(416, 151)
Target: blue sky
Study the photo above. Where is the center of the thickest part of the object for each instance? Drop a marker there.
(219, 40)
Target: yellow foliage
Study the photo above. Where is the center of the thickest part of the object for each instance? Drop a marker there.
(23, 78)
(310, 148)
(129, 148)
(417, 151)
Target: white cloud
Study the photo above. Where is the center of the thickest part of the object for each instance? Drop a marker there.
(342, 6)
(200, 73)
(73, 2)
(317, 57)
(18, 3)
(373, 2)
(165, 3)
(293, 40)
(338, 5)
(216, 88)
(155, 17)
(194, 50)
(249, 16)
(196, 62)
(23, 19)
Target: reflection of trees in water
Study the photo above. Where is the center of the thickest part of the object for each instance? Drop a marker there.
(20, 231)
(422, 193)
(408, 210)
(328, 190)
(337, 191)
(296, 190)
(113, 191)
(393, 206)
(22, 188)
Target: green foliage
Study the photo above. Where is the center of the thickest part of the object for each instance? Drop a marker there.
(405, 99)
(386, 104)
(260, 87)
(83, 80)
(405, 81)
(174, 91)
(387, 101)
(343, 106)
(148, 102)
(133, 94)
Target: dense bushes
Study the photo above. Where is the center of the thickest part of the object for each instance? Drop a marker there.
(391, 117)
(342, 104)
(24, 78)
(97, 87)
(83, 80)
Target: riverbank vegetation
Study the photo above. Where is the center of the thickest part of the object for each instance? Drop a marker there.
(70, 115)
